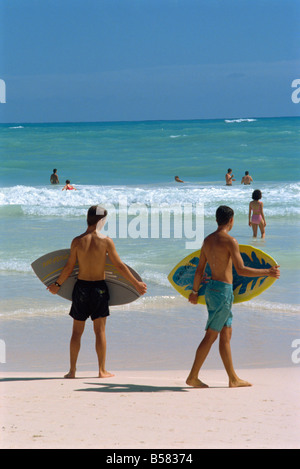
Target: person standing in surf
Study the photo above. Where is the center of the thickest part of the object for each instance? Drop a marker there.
(90, 295)
(54, 177)
(229, 177)
(247, 179)
(220, 251)
(256, 208)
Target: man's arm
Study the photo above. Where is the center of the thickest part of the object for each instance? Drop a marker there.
(67, 270)
(193, 298)
(115, 258)
(244, 271)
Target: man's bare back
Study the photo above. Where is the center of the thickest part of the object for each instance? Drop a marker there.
(90, 249)
(220, 251)
(246, 180)
(91, 255)
(217, 250)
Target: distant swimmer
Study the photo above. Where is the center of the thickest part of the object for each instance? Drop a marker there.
(68, 186)
(229, 177)
(177, 179)
(247, 179)
(54, 177)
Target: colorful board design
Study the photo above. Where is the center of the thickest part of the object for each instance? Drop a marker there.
(48, 268)
(244, 288)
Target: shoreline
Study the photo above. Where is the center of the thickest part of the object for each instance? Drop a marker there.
(150, 409)
(148, 339)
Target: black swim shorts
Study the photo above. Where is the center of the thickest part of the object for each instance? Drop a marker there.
(89, 299)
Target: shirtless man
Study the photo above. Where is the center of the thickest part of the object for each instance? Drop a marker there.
(220, 250)
(229, 177)
(54, 177)
(90, 295)
(247, 179)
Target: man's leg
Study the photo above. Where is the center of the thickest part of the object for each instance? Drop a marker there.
(78, 328)
(100, 337)
(200, 357)
(225, 352)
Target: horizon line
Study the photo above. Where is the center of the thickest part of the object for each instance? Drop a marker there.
(145, 120)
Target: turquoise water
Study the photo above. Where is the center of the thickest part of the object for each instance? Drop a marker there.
(150, 152)
(130, 168)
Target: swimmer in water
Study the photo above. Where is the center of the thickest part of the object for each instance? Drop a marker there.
(229, 177)
(68, 186)
(54, 177)
(247, 179)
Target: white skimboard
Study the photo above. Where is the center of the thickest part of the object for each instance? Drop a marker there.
(49, 267)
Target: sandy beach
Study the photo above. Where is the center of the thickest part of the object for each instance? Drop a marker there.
(150, 410)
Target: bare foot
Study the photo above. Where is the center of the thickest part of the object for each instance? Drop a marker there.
(239, 383)
(196, 383)
(70, 375)
(105, 374)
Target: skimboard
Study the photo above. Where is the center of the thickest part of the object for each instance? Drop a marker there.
(244, 288)
(49, 267)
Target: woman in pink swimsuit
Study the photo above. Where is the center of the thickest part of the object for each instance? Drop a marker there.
(258, 218)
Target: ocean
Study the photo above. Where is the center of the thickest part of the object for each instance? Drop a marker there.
(129, 167)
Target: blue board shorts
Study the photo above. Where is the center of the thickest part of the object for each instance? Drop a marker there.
(89, 299)
(219, 299)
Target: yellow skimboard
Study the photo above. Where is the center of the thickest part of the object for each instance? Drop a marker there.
(244, 288)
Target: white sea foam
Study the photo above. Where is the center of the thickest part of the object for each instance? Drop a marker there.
(159, 304)
(45, 201)
(261, 305)
(15, 265)
(232, 121)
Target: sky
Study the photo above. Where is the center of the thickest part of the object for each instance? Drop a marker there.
(133, 60)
